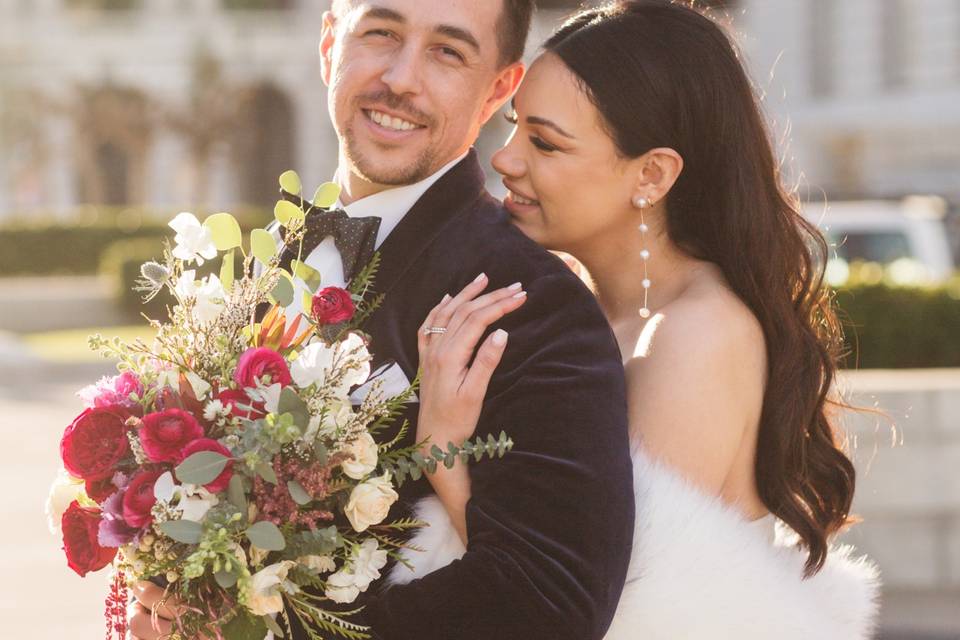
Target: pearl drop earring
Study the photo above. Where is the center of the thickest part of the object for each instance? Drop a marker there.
(642, 203)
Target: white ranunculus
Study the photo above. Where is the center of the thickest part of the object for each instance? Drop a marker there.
(265, 597)
(363, 458)
(64, 490)
(321, 564)
(370, 502)
(341, 587)
(366, 565)
(194, 241)
(312, 365)
(208, 294)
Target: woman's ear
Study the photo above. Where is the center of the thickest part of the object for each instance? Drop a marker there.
(657, 172)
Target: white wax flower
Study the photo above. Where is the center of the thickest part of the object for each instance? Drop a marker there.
(194, 241)
(363, 458)
(265, 597)
(370, 502)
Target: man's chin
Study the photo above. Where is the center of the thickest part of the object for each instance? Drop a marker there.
(395, 172)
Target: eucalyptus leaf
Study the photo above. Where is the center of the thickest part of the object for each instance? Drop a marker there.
(226, 271)
(245, 627)
(224, 230)
(226, 579)
(262, 245)
(286, 211)
(236, 493)
(306, 302)
(308, 274)
(282, 294)
(293, 404)
(298, 493)
(185, 531)
(266, 536)
(273, 626)
(265, 471)
(320, 450)
(326, 195)
(290, 182)
(202, 467)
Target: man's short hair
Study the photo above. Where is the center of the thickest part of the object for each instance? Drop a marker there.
(513, 26)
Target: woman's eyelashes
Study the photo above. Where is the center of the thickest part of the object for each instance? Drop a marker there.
(537, 141)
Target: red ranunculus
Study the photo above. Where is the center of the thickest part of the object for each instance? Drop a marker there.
(100, 489)
(232, 398)
(139, 499)
(95, 442)
(84, 553)
(164, 433)
(332, 305)
(221, 482)
(257, 362)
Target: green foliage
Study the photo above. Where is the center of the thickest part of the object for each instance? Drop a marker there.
(202, 467)
(411, 463)
(895, 327)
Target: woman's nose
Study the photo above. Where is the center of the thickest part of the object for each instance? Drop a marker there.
(507, 161)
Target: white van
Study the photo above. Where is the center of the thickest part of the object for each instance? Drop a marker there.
(907, 237)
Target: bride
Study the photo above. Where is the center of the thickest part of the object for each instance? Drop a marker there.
(640, 149)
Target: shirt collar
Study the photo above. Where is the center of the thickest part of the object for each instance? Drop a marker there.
(391, 205)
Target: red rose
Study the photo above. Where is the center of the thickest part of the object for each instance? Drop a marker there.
(138, 499)
(332, 305)
(232, 398)
(100, 489)
(164, 433)
(95, 442)
(84, 553)
(221, 482)
(257, 362)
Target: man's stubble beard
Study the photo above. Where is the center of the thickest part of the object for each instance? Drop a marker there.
(365, 167)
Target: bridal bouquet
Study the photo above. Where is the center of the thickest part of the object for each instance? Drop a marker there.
(226, 461)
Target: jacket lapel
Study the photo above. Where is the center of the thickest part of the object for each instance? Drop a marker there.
(453, 193)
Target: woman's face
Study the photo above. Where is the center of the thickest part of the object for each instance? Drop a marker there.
(567, 185)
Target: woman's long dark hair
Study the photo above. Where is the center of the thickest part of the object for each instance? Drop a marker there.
(663, 74)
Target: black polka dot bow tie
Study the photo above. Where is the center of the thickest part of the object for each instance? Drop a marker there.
(355, 238)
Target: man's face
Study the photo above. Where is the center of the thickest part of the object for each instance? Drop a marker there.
(411, 82)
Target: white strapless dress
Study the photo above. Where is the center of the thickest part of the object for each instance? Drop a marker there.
(699, 570)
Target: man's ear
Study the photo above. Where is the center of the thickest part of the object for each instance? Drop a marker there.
(327, 41)
(506, 84)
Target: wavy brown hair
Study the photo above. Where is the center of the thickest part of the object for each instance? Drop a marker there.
(665, 74)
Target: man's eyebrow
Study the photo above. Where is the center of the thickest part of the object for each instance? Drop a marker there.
(542, 121)
(458, 33)
(383, 13)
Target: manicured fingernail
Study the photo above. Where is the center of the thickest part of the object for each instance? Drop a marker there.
(480, 277)
(499, 337)
(515, 286)
(522, 294)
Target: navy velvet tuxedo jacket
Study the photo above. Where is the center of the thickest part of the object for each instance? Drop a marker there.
(550, 525)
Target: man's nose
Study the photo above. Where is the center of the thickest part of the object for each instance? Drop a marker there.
(403, 75)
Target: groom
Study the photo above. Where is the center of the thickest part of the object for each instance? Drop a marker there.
(550, 525)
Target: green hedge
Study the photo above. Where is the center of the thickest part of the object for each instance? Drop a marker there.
(897, 327)
(51, 247)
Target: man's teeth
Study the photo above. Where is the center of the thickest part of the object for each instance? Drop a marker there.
(391, 122)
(520, 199)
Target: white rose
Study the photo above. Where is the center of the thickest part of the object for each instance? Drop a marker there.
(370, 502)
(265, 597)
(64, 490)
(194, 241)
(367, 563)
(321, 564)
(364, 455)
(341, 588)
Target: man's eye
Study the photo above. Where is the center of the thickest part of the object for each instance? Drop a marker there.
(379, 32)
(539, 143)
(453, 53)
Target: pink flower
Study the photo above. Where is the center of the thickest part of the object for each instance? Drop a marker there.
(332, 306)
(113, 391)
(138, 500)
(257, 362)
(232, 398)
(164, 434)
(96, 441)
(221, 482)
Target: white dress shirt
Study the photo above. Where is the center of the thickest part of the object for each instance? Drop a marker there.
(390, 206)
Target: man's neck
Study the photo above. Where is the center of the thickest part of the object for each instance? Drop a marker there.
(354, 187)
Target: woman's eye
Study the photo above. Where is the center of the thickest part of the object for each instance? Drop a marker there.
(539, 143)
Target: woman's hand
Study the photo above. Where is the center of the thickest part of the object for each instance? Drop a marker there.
(451, 388)
(149, 596)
